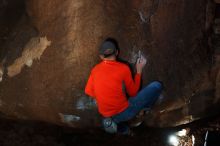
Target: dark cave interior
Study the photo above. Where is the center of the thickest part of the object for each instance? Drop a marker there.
(26, 98)
(217, 11)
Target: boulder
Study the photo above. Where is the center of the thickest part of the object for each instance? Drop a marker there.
(49, 51)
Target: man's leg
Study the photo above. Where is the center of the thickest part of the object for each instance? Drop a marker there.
(146, 98)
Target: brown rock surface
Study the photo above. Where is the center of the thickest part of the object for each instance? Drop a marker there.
(217, 1)
(172, 34)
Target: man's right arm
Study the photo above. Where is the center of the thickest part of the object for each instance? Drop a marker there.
(141, 62)
(89, 89)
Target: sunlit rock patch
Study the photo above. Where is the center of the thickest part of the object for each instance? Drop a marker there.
(32, 51)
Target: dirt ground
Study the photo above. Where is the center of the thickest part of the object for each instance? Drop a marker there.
(28, 133)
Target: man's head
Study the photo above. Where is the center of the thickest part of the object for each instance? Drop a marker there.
(108, 49)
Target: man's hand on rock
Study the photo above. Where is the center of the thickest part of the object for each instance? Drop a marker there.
(141, 62)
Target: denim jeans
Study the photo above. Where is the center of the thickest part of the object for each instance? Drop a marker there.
(146, 98)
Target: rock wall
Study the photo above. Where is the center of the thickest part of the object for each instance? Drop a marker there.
(50, 84)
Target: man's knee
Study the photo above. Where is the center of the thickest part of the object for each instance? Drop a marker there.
(157, 84)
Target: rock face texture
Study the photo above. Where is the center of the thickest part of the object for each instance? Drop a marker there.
(48, 51)
(217, 1)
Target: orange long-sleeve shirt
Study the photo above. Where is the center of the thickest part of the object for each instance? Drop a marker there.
(106, 84)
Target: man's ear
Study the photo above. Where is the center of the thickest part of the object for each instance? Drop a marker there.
(101, 56)
(116, 53)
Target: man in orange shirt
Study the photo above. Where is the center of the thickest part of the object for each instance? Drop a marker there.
(109, 83)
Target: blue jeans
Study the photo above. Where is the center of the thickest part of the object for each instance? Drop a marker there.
(146, 98)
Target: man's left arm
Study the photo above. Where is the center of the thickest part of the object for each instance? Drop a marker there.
(89, 89)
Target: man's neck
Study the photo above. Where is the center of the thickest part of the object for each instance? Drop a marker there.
(111, 58)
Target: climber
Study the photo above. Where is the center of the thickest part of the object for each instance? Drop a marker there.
(109, 83)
